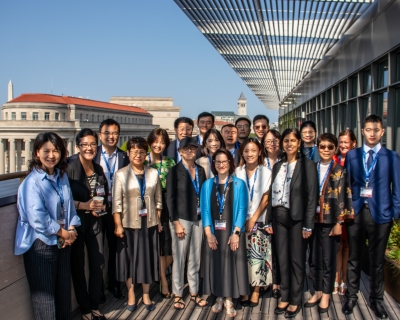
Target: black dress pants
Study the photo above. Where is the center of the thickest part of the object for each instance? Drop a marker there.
(364, 227)
(323, 251)
(276, 272)
(48, 272)
(291, 249)
(87, 298)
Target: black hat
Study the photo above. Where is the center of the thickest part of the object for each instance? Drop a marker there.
(188, 141)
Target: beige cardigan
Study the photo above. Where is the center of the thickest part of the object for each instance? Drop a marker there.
(127, 201)
(205, 163)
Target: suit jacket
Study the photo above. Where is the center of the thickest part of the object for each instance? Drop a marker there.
(181, 195)
(127, 197)
(171, 151)
(81, 192)
(304, 190)
(384, 180)
(240, 204)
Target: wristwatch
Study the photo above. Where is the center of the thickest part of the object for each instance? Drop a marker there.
(237, 232)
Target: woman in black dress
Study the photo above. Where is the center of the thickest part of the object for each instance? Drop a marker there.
(224, 206)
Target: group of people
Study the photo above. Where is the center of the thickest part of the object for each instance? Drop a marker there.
(239, 212)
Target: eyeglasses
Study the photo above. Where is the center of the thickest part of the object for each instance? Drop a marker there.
(189, 149)
(87, 145)
(310, 133)
(259, 127)
(219, 163)
(323, 147)
(244, 126)
(139, 153)
(107, 134)
(268, 142)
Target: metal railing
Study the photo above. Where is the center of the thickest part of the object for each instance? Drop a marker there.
(8, 197)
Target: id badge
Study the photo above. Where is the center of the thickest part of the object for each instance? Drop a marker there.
(255, 227)
(220, 224)
(143, 212)
(100, 190)
(318, 209)
(366, 192)
(198, 211)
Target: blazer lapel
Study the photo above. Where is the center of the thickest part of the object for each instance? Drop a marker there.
(97, 158)
(296, 171)
(360, 163)
(382, 152)
(121, 155)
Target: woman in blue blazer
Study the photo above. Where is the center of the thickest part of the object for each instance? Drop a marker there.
(224, 206)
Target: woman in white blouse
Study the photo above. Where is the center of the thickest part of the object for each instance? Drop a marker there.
(258, 178)
(290, 216)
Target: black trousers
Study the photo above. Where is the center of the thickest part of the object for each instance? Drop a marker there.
(49, 276)
(108, 231)
(276, 272)
(364, 227)
(291, 249)
(88, 300)
(323, 251)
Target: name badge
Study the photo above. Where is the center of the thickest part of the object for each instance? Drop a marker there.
(318, 209)
(255, 227)
(220, 224)
(366, 192)
(143, 212)
(198, 210)
(100, 190)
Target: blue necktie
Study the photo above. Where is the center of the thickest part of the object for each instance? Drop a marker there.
(370, 158)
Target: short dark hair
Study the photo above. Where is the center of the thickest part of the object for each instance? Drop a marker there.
(137, 142)
(157, 132)
(275, 133)
(109, 122)
(372, 118)
(229, 125)
(183, 120)
(242, 119)
(327, 137)
(57, 142)
(288, 131)
(209, 132)
(259, 146)
(230, 158)
(260, 117)
(206, 114)
(84, 133)
(308, 123)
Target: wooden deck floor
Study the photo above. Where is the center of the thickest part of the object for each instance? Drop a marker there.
(116, 309)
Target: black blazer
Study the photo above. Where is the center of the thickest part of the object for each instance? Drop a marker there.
(81, 192)
(181, 196)
(304, 192)
(171, 151)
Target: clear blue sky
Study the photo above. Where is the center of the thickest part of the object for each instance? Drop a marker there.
(99, 49)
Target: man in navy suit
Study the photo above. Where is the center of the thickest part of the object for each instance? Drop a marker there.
(183, 127)
(375, 184)
(205, 121)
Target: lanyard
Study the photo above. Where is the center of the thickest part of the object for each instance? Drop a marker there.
(196, 184)
(368, 171)
(326, 175)
(142, 185)
(198, 139)
(237, 145)
(110, 172)
(158, 169)
(59, 193)
(248, 184)
(221, 199)
(311, 153)
(233, 152)
(269, 163)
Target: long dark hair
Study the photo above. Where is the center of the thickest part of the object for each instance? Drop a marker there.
(217, 134)
(57, 142)
(297, 134)
(243, 146)
(277, 135)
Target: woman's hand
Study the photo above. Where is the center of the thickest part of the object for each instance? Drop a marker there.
(70, 239)
(336, 230)
(234, 242)
(160, 228)
(250, 224)
(306, 234)
(92, 206)
(179, 230)
(212, 241)
(270, 230)
(119, 231)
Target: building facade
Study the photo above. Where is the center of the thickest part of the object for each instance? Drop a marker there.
(24, 117)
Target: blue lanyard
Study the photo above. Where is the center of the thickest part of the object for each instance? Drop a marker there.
(311, 154)
(233, 152)
(368, 171)
(59, 193)
(196, 184)
(237, 145)
(221, 199)
(198, 139)
(142, 185)
(326, 175)
(158, 169)
(269, 164)
(248, 184)
(110, 172)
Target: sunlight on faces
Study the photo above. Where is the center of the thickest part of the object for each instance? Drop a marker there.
(109, 135)
(372, 133)
(345, 144)
(212, 143)
(251, 153)
(271, 144)
(326, 150)
(158, 146)
(308, 134)
(221, 163)
(243, 129)
(49, 156)
(188, 153)
(204, 124)
(290, 144)
(183, 130)
(87, 147)
(260, 127)
(137, 156)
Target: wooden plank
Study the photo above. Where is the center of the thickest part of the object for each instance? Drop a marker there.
(393, 304)
(205, 312)
(337, 304)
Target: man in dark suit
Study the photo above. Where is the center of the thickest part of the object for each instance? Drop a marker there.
(183, 127)
(243, 125)
(375, 184)
(230, 133)
(205, 121)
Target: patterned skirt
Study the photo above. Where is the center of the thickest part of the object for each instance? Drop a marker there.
(259, 258)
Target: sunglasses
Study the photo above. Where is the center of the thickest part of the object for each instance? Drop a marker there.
(323, 147)
(259, 127)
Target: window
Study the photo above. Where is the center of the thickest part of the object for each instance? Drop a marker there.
(381, 110)
(344, 91)
(98, 118)
(336, 125)
(103, 117)
(336, 95)
(56, 116)
(87, 117)
(23, 115)
(353, 116)
(328, 98)
(63, 116)
(354, 87)
(343, 111)
(80, 117)
(367, 81)
(13, 116)
(47, 116)
(92, 117)
(365, 107)
(397, 67)
(22, 145)
(6, 115)
(383, 74)
(35, 115)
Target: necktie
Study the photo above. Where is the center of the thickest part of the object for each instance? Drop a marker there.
(370, 158)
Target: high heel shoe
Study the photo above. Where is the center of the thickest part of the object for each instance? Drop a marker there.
(336, 288)
(342, 289)
(324, 310)
(292, 314)
(311, 304)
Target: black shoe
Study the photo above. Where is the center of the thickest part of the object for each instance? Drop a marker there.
(102, 298)
(245, 303)
(253, 304)
(311, 304)
(264, 290)
(118, 294)
(149, 307)
(379, 309)
(292, 314)
(276, 293)
(98, 317)
(323, 310)
(349, 306)
(279, 311)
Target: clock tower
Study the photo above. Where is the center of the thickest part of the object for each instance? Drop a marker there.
(242, 105)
